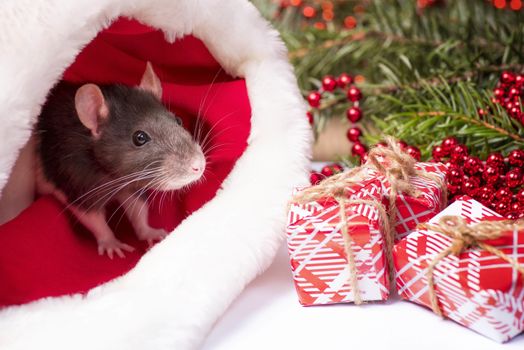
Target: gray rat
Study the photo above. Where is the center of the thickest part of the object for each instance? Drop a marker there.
(102, 142)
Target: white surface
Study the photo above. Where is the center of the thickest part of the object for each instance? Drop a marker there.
(268, 316)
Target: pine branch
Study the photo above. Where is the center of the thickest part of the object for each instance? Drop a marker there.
(423, 117)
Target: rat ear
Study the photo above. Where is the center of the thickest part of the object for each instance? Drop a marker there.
(150, 81)
(91, 107)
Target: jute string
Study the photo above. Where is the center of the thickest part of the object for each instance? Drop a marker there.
(466, 236)
(397, 167)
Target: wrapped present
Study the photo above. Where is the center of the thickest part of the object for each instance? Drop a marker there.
(340, 233)
(321, 252)
(426, 200)
(467, 265)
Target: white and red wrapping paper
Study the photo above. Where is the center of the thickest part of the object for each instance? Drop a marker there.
(316, 245)
(476, 289)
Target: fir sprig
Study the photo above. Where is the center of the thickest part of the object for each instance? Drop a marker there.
(427, 72)
(426, 115)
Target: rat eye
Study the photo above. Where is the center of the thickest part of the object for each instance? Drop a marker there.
(140, 138)
(178, 120)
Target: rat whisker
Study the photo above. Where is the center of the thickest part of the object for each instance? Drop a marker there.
(219, 133)
(106, 187)
(203, 101)
(219, 146)
(155, 183)
(135, 196)
(97, 189)
(117, 187)
(223, 118)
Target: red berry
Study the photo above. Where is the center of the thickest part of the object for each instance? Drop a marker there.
(358, 149)
(514, 178)
(354, 134)
(337, 168)
(473, 165)
(354, 94)
(315, 177)
(414, 152)
(501, 207)
(310, 118)
(514, 92)
(516, 158)
(482, 112)
(455, 176)
(516, 207)
(507, 77)
(485, 194)
(329, 83)
(449, 165)
(449, 143)
(344, 80)
(354, 114)
(491, 174)
(475, 180)
(520, 195)
(364, 158)
(458, 153)
(499, 93)
(453, 189)
(314, 99)
(503, 194)
(512, 216)
(381, 144)
(309, 11)
(402, 144)
(438, 153)
(327, 171)
(519, 79)
(514, 111)
(495, 159)
(469, 187)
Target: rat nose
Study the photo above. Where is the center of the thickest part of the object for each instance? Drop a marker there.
(197, 166)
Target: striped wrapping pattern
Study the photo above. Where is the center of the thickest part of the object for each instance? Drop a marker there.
(476, 289)
(316, 246)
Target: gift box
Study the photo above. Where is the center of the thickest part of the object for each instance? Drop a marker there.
(412, 210)
(477, 288)
(318, 248)
(318, 254)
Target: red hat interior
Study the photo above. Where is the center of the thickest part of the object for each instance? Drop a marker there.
(43, 251)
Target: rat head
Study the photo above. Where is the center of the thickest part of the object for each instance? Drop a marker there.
(135, 136)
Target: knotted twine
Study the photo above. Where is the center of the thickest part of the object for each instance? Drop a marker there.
(397, 167)
(466, 236)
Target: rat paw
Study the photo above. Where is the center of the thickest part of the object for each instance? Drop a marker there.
(113, 246)
(152, 235)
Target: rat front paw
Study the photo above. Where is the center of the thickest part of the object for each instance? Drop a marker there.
(152, 235)
(113, 246)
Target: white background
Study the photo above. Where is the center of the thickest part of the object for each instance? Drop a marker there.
(268, 316)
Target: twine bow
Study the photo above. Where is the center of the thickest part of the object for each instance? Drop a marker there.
(397, 167)
(466, 236)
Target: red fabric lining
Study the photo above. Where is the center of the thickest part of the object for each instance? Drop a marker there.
(42, 251)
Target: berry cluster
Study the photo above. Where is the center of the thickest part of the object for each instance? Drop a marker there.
(353, 113)
(320, 13)
(496, 182)
(515, 5)
(508, 93)
(327, 171)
